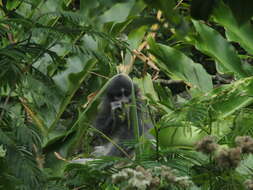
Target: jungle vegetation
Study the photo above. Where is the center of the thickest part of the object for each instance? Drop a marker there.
(192, 60)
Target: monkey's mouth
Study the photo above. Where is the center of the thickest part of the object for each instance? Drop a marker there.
(120, 110)
(119, 107)
(116, 105)
(119, 104)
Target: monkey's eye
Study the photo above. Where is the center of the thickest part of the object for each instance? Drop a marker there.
(114, 95)
(118, 94)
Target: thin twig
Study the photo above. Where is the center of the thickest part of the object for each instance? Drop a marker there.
(111, 141)
(127, 68)
(168, 81)
(91, 72)
(145, 59)
(179, 3)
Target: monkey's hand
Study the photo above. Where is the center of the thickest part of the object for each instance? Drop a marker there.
(99, 151)
(103, 150)
(116, 105)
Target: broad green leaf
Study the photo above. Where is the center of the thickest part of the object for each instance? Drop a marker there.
(242, 123)
(246, 166)
(70, 81)
(138, 7)
(242, 10)
(213, 44)
(180, 67)
(234, 32)
(88, 11)
(229, 98)
(180, 137)
(118, 28)
(178, 129)
(87, 5)
(131, 24)
(12, 4)
(134, 40)
(146, 86)
(136, 36)
(165, 103)
(118, 13)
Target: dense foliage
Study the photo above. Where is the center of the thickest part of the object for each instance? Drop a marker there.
(192, 60)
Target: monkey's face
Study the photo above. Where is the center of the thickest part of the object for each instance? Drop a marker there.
(118, 96)
(120, 99)
(119, 92)
(120, 104)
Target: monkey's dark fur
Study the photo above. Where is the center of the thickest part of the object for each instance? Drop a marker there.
(114, 117)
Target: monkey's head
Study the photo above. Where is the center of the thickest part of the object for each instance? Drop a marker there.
(119, 91)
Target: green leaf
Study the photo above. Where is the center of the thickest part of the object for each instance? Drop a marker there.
(234, 31)
(180, 137)
(12, 4)
(229, 98)
(242, 10)
(118, 13)
(180, 128)
(213, 44)
(180, 67)
(116, 29)
(70, 81)
(135, 38)
(146, 86)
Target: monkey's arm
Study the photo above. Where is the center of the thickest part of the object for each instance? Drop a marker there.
(123, 135)
(103, 123)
